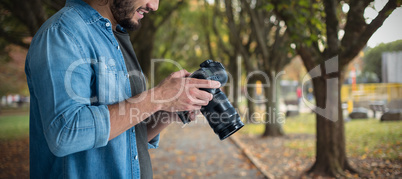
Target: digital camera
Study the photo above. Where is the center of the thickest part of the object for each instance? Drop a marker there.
(220, 113)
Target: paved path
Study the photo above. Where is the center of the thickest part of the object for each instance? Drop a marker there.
(195, 151)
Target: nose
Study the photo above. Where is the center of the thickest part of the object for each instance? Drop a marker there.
(153, 5)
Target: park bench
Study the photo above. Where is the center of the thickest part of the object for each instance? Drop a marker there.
(387, 114)
(292, 107)
(378, 106)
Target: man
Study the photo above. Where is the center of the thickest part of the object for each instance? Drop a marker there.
(88, 98)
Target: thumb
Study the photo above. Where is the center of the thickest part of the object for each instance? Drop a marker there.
(180, 74)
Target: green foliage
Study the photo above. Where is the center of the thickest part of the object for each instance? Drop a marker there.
(12, 127)
(372, 58)
(11, 28)
(269, 7)
(18, 22)
(183, 39)
(305, 20)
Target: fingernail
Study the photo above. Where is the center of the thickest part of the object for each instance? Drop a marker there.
(217, 84)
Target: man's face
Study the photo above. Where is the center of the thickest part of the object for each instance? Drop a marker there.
(128, 13)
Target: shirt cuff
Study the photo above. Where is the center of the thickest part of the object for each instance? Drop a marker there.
(102, 125)
(154, 143)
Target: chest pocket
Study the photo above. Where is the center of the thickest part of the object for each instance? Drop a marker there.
(110, 81)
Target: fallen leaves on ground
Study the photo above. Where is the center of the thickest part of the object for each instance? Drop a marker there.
(14, 158)
(284, 160)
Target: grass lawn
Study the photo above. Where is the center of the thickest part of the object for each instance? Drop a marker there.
(364, 138)
(14, 126)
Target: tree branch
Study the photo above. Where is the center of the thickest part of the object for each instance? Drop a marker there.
(308, 57)
(216, 31)
(234, 32)
(361, 40)
(355, 23)
(255, 24)
(205, 28)
(332, 27)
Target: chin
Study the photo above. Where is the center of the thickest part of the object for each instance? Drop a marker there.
(130, 25)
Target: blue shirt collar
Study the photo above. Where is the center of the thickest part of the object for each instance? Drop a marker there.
(88, 14)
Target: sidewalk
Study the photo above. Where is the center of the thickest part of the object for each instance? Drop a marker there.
(195, 151)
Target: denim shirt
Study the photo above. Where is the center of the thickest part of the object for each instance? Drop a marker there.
(75, 69)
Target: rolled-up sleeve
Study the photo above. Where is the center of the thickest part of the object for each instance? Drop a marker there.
(62, 80)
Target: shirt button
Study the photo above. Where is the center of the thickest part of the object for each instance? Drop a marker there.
(107, 24)
(127, 75)
(133, 130)
(136, 157)
(118, 47)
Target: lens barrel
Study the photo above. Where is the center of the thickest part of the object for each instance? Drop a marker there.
(222, 116)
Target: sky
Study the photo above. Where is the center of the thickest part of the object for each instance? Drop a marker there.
(391, 30)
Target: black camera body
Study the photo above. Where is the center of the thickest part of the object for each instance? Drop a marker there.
(220, 113)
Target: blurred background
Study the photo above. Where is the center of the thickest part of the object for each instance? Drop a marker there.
(268, 47)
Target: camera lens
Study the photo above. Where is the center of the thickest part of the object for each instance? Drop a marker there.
(222, 116)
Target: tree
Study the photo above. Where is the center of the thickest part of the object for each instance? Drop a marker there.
(273, 48)
(22, 20)
(314, 26)
(144, 38)
(18, 23)
(372, 58)
(186, 39)
(260, 39)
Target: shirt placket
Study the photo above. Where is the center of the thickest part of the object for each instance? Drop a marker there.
(135, 164)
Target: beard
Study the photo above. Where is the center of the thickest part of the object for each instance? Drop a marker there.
(123, 11)
(128, 24)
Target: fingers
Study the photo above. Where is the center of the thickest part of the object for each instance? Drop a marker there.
(198, 102)
(196, 97)
(193, 114)
(180, 74)
(199, 97)
(203, 95)
(185, 92)
(199, 83)
(187, 75)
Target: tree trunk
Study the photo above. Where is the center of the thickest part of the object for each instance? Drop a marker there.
(330, 145)
(233, 66)
(144, 55)
(143, 43)
(273, 126)
(250, 103)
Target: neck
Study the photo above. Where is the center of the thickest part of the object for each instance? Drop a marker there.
(104, 10)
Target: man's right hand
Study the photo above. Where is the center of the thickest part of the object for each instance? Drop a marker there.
(178, 93)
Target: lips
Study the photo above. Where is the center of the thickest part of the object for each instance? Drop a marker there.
(141, 12)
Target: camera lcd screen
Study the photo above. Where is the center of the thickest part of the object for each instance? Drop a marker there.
(208, 72)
